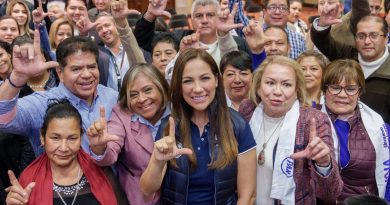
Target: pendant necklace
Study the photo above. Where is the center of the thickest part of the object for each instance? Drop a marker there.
(261, 157)
(77, 189)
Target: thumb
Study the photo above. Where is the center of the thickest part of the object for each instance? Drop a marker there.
(132, 11)
(50, 64)
(183, 151)
(29, 188)
(166, 14)
(112, 138)
(299, 155)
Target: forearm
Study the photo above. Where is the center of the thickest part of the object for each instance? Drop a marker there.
(227, 44)
(129, 42)
(9, 90)
(153, 176)
(144, 33)
(246, 178)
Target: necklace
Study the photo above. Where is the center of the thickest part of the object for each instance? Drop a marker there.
(261, 157)
(38, 86)
(77, 190)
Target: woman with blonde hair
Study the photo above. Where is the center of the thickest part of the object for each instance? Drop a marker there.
(19, 10)
(294, 144)
(60, 29)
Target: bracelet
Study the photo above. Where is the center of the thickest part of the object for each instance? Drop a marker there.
(10, 82)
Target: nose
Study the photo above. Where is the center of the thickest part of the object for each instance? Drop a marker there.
(197, 87)
(8, 32)
(163, 57)
(367, 40)
(278, 89)
(342, 93)
(306, 72)
(64, 145)
(273, 46)
(204, 18)
(141, 97)
(237, 79)
(86, 73)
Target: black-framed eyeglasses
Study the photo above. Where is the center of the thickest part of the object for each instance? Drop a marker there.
(373, 36)
(273, 8)
(349, 89)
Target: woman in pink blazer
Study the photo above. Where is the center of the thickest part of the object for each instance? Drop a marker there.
(137, 121)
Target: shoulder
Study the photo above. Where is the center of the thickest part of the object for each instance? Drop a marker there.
(103, 90)
(246, 109)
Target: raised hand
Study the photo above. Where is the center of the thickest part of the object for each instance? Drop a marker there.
(191, 41)
(316, 149)
(120, 11)
(165, 149)
(225, 21)
(254, 35)
(38, 14)
(84, 24)
(28, 61)
(98, 135)
(16, 193)
(156, 8)
(330, 14)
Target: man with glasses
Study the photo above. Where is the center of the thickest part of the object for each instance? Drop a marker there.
(276, 14)
(371, 52)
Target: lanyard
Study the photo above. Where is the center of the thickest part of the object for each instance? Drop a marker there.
(117, 70)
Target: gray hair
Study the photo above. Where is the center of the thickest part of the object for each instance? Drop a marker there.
(204, 3)
(60, 4)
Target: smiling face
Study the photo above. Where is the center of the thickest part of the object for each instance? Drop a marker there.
(237, 83)
(277, 89)
(342, 104)
(277, 17)
(81, 75)
(102, 5)
(313, 73)
(19, 12)
(75, 9)
(145, 99)
(62, 141)
(64, 31)
(5, 63)
(107, 30)
(198, 85)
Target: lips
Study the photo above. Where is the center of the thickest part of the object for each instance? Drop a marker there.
(276, 102)
(199, 99)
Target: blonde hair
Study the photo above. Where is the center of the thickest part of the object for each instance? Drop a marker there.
(54, 29)
(26, 27)
(278, 60)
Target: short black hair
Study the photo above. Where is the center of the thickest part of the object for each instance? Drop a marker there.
(364, 199)
(67, 3)
(166, 37)
(6, 46)
(74, 44)
(60, 109)
(266, 2)
(238, 59)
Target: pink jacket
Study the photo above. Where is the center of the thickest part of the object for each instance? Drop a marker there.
(132, 152)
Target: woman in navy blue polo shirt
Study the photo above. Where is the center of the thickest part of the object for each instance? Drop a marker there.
(218, 165)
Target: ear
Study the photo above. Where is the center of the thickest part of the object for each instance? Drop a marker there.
(42, 140)
(60, 73)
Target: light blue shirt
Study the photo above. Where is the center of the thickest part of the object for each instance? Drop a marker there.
(31, 109)
(153, 128)
(123, 67)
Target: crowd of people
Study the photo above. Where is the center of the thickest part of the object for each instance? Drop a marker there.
(231, 108)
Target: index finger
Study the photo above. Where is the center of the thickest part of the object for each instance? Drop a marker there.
(313, 129)
(234, 10)
(40, 4)
(171, 127)
(102, 113)
(12, 178)
(37, 43)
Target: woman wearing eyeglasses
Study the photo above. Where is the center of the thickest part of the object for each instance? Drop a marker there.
(360, 135)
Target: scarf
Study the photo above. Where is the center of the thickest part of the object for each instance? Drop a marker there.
(370, 67)
(283, 185)
(379, 137)
(39, 171)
